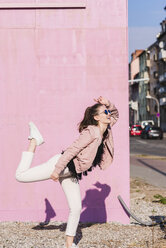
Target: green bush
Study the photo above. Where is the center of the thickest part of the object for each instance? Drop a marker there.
(161, 198)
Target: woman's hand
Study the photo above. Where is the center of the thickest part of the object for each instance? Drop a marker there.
(54, 176)
(102, 100)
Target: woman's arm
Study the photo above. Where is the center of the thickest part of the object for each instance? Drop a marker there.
(111, 107)
(114, 113)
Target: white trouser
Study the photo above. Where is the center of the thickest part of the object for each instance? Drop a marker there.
(43, 172)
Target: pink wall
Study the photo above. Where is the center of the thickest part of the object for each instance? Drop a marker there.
(52, 64)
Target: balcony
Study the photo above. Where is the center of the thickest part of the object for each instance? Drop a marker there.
(162, 54)
(133, 105)
(163, 101)
(162, 90)
(162, 77)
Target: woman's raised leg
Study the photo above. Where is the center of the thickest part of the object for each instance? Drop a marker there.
(38, 173)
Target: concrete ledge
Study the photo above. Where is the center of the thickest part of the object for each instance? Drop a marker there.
(72, 4)
(148, 156)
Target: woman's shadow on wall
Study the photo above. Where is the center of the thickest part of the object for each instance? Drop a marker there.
(50, 213)
(94, 211)
(94, 204)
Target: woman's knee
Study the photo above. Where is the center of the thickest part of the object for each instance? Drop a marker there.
(18, 177)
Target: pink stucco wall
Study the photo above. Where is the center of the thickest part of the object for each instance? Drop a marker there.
(52, 64)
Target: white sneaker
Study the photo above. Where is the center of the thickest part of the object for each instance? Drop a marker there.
(35, 134)
(73, 246)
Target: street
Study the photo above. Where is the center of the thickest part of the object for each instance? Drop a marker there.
(155, 147)
(148, 160)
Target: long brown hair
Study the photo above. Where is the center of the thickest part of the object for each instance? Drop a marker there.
(89, 114)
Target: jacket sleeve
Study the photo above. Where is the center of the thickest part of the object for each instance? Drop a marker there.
(85, 138)
(114, 113)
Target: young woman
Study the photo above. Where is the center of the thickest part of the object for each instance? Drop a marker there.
(94, 147)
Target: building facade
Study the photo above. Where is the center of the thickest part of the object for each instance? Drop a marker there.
(143, 107)
(161, 89)
(153, 79)
(134, 69)
(149, 63)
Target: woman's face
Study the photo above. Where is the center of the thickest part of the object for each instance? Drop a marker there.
(102, 116)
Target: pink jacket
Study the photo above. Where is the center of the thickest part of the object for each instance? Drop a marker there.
(84, 149)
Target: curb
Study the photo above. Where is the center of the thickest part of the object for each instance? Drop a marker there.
(148, 156)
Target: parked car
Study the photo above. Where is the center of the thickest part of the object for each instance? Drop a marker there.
(136, 130)
(130, 128)
(152, 132)
(145, 123)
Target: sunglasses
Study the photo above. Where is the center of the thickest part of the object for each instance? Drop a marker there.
(106, 112)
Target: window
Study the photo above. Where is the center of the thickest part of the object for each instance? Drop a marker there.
(148, 55)
(138, 128)
(155, 57)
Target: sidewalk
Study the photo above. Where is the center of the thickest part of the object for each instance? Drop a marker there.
(150, 168)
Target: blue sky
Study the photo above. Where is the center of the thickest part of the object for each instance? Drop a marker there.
(144, 17)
